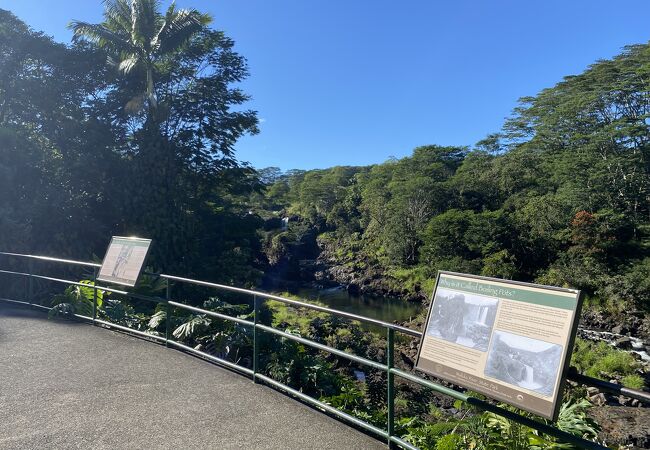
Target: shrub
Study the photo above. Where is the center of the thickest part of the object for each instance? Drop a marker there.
(592, 358)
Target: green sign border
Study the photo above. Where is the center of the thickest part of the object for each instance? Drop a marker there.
(517, 295)
(134, 241)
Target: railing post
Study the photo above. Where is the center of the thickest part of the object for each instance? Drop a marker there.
(168, 313)
(256, 310)
(94, 294)
(390, 352)
(30, 295)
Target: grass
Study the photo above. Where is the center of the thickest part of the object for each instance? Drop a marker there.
(592, 358)
(414, 279)
(295, 318)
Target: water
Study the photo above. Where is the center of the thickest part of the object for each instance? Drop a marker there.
(529, 381)
(382, 308)
(637, 344)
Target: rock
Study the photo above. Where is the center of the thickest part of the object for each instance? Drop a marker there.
(353, 289)
(624, 401)
(635, 403)
(619, 329)
(613, 381)
(623, 426)
(598, 399)
(592, 390)
(623, 342)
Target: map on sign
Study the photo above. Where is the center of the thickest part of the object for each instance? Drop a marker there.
(508, 340)
(124, 260)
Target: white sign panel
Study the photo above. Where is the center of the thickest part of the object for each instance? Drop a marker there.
(124, 260)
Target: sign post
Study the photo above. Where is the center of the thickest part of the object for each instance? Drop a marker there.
(508, 340)
(124, 260)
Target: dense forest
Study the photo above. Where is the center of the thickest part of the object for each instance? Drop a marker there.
(127, 135)
(131, 130)
(92, 145)
(560, 196)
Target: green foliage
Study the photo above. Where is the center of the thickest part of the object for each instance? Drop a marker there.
(633, 381)
(192, 327)
(510, 435)
(141, 38)
(593, 358)
(128, 131)
(449, 442)
(77, 300)
(426, 435)
(558, 197)
(351, 398)
(158, 319)
(573, 419)
(287, 316)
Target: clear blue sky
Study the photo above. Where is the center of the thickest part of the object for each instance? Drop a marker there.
(354, 82)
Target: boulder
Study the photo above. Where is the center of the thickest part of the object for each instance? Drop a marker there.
(624, 343)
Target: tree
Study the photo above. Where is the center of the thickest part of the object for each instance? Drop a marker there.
(55, 153)
(138, 38)
(182, 168)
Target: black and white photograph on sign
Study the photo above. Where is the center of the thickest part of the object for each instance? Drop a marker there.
(119, 270)
(124, 260)
(462, 318)
(521, 361)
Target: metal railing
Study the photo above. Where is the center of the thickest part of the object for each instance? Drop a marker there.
(387, 433)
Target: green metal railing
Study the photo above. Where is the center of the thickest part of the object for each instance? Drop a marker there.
(387, 433)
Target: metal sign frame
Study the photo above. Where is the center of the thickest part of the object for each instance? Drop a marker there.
(470, 381)
(140, 242)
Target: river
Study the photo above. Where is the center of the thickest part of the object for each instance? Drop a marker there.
(382, 308)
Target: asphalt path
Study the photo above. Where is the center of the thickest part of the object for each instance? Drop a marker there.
(66, 384)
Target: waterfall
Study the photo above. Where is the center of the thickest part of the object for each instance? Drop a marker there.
(529, 380)
(483, 315)
(529, 375)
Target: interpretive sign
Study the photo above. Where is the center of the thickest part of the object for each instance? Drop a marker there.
(124, 260)
(508, 340)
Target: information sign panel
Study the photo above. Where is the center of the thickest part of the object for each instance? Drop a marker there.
(508, 340)
(124, 260)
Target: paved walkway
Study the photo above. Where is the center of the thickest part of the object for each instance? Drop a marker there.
(71, 385)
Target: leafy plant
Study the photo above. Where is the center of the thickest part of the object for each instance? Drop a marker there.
(573, 419)
(77, 299)
(192, 327)
(595, 358)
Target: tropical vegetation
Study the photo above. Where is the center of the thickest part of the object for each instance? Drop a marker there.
(131, 130)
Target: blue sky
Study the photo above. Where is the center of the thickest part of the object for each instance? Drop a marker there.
(354, 82)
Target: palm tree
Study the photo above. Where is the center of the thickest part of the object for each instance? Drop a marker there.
(138, 37)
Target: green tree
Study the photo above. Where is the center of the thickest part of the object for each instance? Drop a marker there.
(139, 39)
(183, 171)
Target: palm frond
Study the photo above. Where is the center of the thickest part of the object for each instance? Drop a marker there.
(117, 16)
(145, 20)
(129, 63)
(100, 35)
(179, 27)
